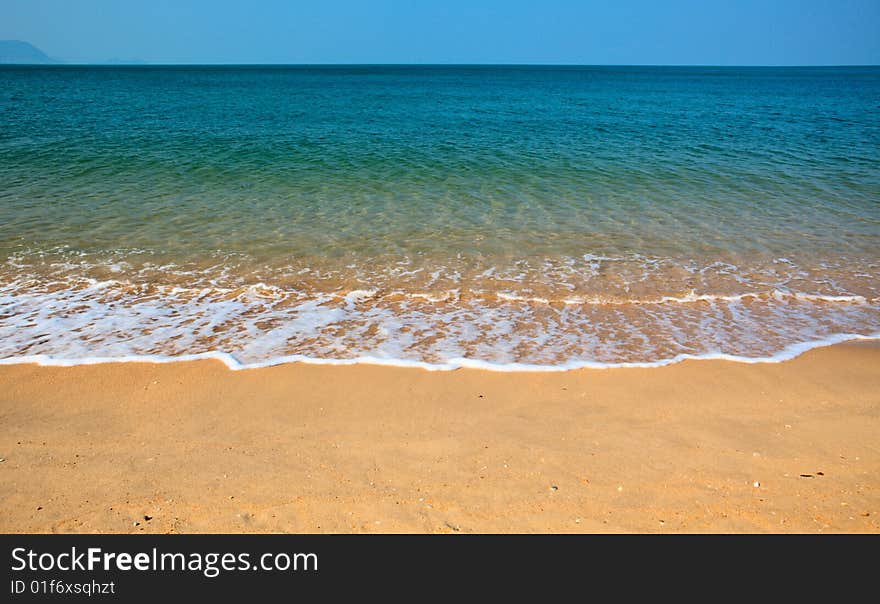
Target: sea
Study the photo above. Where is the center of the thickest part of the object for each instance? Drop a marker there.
(498, 217)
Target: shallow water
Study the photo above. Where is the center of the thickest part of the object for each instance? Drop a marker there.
(511, 216)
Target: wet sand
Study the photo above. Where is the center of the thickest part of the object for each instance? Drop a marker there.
(701, 446)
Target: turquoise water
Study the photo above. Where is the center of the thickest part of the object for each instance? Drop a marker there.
(549, 216)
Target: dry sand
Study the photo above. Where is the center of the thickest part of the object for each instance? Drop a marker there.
(701, 446)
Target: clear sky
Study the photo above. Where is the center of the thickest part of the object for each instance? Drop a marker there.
(713, 32)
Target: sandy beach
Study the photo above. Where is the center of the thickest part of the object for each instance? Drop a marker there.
(700, 446)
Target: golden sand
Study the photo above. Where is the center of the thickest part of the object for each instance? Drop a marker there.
(701, 446)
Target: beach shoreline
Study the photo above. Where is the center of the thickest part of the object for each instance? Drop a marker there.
(698, 446)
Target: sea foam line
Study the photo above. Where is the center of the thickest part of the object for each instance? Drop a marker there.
(789, 352)
(264, 290)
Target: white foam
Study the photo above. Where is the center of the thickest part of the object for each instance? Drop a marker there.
(789, 352)
(84, 316)
(692, 297)
(517, 298)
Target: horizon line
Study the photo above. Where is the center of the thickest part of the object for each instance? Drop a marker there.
(139, 63)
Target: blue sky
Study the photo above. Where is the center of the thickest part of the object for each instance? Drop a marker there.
(714, 32)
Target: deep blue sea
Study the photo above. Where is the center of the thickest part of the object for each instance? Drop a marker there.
(505, 217)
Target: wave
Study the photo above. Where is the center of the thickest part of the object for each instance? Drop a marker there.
(266, 290)
(262, 323)
(692, 297)
(789, 352)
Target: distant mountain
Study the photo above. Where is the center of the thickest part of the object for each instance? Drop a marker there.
(16, 51)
